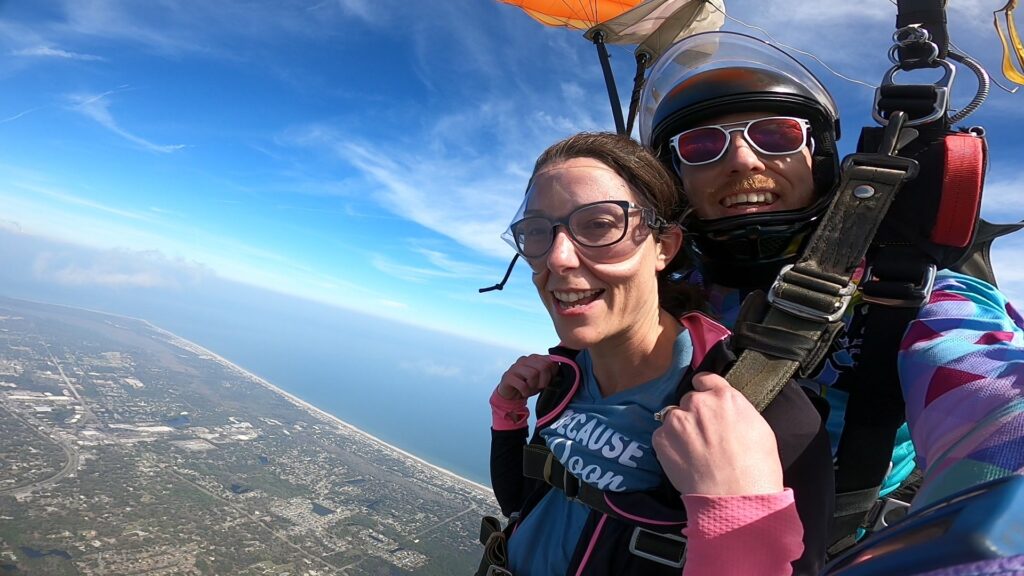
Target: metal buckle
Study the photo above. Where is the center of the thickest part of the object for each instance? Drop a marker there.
(652, 556)
(806, 312)
(919, 294)
(493, 570)
(911, 167)
(942, 87)
(876, 519)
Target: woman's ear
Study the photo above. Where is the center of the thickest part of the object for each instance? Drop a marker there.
(669, 243)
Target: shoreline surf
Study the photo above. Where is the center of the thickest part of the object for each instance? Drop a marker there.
(314, 410)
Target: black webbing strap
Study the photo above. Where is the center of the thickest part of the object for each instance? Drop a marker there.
(898, 281)
(808, 298)
(927, 14)
(540, 464)
(495, 557)
(851, 510)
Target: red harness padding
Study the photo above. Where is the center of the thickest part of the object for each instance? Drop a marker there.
(962, 179)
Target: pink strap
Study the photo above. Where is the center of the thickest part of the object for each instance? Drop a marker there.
(704, 333)
(568, 397)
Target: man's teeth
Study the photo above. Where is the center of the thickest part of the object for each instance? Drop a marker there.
(749, 198)
(570, 297)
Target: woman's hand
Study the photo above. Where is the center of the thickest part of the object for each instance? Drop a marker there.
(715, 443)
(526, 377)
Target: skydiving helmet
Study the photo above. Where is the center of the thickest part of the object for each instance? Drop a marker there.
(709, 75)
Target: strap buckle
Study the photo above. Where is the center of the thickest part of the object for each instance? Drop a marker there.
(938, 106)
(878, 518)
(841, 299)
(665, 549)
(916, 296)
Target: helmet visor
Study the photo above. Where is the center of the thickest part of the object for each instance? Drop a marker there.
(709, 51)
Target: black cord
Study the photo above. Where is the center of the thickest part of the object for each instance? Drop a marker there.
(501, 285)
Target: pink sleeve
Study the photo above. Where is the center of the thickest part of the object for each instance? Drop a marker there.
(508, 414)
(742, 535)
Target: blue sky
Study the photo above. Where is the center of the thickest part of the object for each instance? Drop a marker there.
(361, 153)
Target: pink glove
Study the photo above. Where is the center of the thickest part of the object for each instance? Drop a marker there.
(508, 414)
(525, 377)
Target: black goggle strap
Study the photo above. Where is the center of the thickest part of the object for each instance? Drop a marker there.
(656, 223)
(504, 279)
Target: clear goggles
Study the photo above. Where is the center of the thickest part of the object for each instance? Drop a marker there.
(596, 228)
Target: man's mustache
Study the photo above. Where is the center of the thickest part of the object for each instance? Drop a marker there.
(752, 183)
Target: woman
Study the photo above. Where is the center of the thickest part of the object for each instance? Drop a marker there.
(633, 420)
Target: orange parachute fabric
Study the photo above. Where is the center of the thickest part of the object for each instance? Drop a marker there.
(650, 24)
(576, 14)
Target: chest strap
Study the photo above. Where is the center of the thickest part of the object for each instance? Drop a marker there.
(642, 509)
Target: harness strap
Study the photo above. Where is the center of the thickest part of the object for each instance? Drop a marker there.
(851, 509)
(809, 298)
(928, 14)
(644, 509)
(540, 464)
(495, 557)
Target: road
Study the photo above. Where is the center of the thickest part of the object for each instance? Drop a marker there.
(70, 466)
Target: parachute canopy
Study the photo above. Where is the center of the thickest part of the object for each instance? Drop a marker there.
(655, 25)
(576, 14)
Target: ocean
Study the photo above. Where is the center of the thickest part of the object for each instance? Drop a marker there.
(423, 392)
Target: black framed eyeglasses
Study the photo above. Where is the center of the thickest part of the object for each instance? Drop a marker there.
(596, 225)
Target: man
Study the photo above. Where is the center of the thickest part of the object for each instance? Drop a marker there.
(752, 136)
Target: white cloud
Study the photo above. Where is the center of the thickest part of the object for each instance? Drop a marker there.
(1007, 254)
(97, 107)
(436, 264)
(432, 368)
(217, 29)
(1001, 199)
(72, 199)
(393, 304)
(362, 9)
(115, 269)
(49, 52)
(20, 114)
(465, 176)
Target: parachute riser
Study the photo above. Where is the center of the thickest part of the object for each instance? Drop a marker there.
(922, 41)
(924, 104)
(609, 81)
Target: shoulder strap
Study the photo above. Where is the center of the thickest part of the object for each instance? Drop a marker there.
(646, 509)
(808, 299)
(552, 400)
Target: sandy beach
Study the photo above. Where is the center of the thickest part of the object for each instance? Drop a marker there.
(311, 409)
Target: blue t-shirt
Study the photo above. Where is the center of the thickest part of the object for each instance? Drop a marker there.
(605, 442)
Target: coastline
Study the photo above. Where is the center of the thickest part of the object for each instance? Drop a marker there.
(310, 408)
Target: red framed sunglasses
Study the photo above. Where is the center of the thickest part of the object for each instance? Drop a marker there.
(774, 136)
